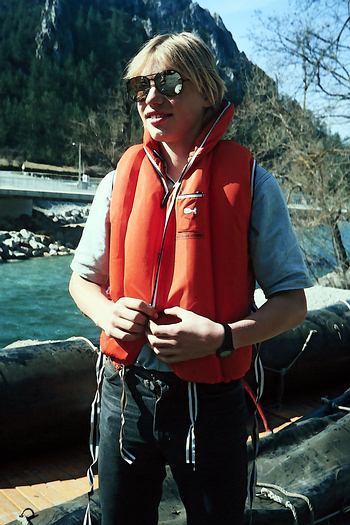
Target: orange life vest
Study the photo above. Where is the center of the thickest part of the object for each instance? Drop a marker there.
(191, 251)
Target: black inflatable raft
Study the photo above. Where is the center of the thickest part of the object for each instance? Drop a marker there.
(46, 391)
(303, 478)
(312, 356)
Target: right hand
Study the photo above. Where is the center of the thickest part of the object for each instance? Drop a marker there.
(127, 318)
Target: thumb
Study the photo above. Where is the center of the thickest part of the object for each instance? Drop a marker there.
(177, 311)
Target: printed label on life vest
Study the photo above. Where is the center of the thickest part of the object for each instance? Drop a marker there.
(188, 235)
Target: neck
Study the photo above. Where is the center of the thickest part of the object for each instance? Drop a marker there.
(176, 154)
(175, 160)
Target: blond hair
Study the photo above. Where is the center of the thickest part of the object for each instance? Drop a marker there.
(187, 54)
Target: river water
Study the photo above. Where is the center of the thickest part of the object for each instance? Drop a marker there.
(35, 303)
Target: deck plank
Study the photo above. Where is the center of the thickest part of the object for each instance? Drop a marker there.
(34, 496)
(41, 495)
(17, 499)
(55, 477)
(9, 511)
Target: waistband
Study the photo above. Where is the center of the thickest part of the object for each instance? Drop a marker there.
(170, 378)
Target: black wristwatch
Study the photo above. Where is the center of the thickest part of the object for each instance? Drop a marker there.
(226, 349)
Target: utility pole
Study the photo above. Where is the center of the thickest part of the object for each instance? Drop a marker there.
(79, 160)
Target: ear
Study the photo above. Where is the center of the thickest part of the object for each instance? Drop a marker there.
(206, 102)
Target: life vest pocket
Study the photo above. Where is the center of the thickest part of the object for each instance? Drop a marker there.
(189, 215)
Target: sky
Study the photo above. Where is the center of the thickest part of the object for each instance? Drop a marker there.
(241, 18)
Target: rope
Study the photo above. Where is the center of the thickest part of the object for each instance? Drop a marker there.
(127, 456)
(345, 302)
(24, 518)
(267, 493)
(252, 478)
(81, 338)
(193, 411)
(333, 405)
(94, 438)
(258, 407)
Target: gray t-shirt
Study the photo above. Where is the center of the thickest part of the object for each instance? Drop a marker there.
(276, 258)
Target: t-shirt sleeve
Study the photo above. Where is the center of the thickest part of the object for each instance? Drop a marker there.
(91, 258)
(276, 257)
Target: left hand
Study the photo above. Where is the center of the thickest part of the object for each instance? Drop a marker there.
(191, 337)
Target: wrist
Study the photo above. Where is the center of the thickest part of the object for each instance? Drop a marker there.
(102, 315)
(226, 347)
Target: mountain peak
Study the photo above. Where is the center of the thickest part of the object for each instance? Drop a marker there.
(153, 16)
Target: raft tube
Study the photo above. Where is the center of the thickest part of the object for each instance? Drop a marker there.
(316, 354)
(46, 390)
(305, 466)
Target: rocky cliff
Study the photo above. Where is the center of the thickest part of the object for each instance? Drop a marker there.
(148, 17)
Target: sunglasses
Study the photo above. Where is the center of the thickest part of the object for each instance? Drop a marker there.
(169, 83)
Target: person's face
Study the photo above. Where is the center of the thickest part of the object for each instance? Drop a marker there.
(176, 120)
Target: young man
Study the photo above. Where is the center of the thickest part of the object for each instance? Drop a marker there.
(166, 268)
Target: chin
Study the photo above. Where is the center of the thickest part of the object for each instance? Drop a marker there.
(158, 135)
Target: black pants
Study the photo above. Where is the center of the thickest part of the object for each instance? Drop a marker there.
(156, 426)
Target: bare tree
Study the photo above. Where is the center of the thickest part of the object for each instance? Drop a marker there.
(314, 38)
(312, 165)
(106, 132)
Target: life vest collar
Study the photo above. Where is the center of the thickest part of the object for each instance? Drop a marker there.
(205, 142)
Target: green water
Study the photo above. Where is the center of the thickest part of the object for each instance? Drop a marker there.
(35, 303)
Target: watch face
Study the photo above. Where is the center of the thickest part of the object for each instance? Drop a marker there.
(225, 352)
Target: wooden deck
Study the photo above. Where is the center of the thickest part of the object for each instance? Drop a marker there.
(40, 482)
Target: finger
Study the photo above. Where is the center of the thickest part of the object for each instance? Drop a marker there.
(121, 334)
(129, 326)
(176, 310)
(165, 353)
(133, 316)
(157, 342)
(140, 306)
(164, 344)
(162, 330)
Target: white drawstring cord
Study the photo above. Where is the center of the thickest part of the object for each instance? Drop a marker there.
(193, 411)
(127, 456)
(94, 438)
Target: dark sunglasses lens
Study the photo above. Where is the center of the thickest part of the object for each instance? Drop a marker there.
(138, 87)
(169, 83)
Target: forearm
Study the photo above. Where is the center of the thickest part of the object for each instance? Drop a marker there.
(124, 319)
(90, 299)
(280, 313)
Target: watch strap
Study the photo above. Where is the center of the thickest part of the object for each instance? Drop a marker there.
(226, 348)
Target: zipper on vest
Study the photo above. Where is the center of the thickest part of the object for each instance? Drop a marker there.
(196, 195)
(171, 204)
(173, 194)
(161, 178)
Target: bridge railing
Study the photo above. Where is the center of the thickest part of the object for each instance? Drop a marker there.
(24, 182)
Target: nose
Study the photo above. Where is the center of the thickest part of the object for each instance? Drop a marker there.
(154, 95)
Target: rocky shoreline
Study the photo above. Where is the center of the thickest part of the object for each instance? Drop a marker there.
(56, 228)
(24, 244)
(52, 230)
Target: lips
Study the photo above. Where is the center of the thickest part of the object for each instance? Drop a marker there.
(155, 116)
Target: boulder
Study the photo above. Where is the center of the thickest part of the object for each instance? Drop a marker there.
(4, 235)
(36, 245)
(17, 254)
(26, 250)
(10, 243)
(26, 234)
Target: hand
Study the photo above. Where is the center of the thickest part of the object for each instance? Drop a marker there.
(191, 337)
(127, 318)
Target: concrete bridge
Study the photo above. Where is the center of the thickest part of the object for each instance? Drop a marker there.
(18, 190)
